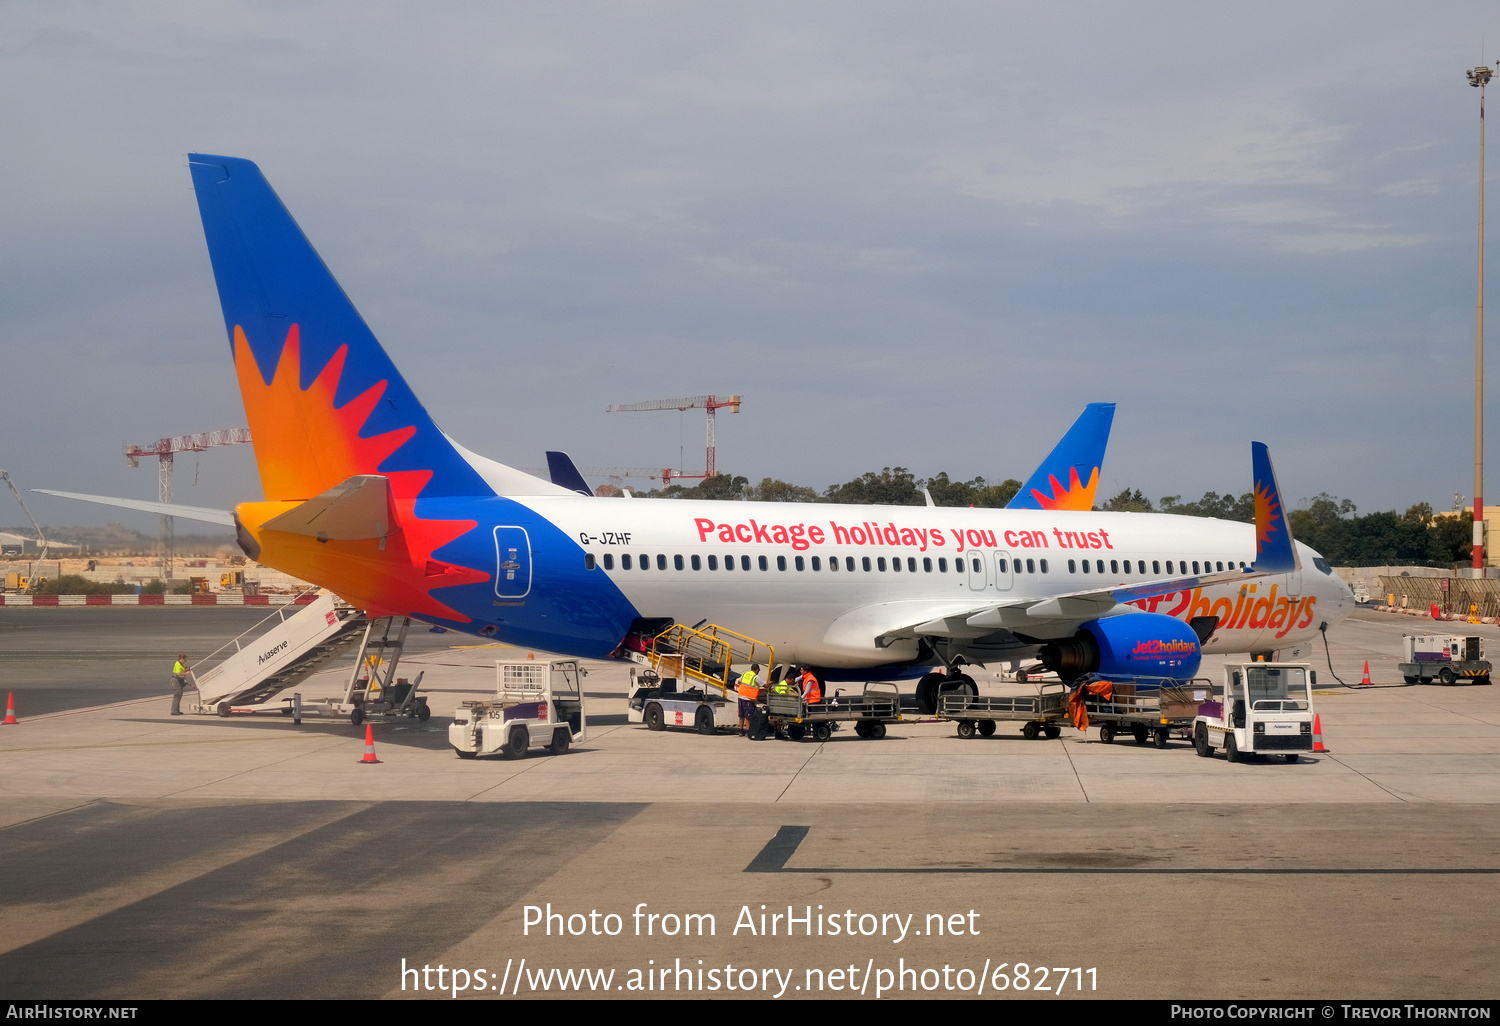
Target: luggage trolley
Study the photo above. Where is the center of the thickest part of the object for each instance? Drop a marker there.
(871, 711)
(1147, 709)
(1041, 713)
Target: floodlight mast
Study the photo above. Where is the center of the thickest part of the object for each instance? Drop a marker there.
(1479, 78)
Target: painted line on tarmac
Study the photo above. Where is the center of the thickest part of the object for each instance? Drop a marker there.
(104, 746)
(779, 850)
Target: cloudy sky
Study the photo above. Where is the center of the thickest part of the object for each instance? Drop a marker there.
(908, 234)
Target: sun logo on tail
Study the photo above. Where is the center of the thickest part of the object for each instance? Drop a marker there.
(306, 445)
(1267, 516)
(1077, 496)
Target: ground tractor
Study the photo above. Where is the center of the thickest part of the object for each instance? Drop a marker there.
(536, 705)
(1446, 658)
(1260, 709)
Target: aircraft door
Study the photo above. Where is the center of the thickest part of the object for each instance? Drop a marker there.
(512, 563)
(977, 576)
(1003, 571)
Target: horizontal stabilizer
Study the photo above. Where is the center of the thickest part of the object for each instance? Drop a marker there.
(357, 510)
(209, 516)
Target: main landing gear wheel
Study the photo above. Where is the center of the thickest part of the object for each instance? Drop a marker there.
(560, 741)
(986, 728)
(1106, 733)
(653, 717)
(927, 692)
(517, 743)
(1200, 742)
(966, 729)
(704, 721)
(1031, 731)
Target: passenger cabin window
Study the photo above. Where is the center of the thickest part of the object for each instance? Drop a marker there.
(865, 562)
(799, 562)
(1030, 566)
(609, 561)
(1085, 566)
(745, 563)
(588, 561)
(698, 562)
(661, 562)
(815, 563)
(1155, 567)
(713, 562)
(927, 564)
(677, 562)
(849, 563)
(1044, 566)
(765, 565)
(1072, 566)
(943, 565)
(880, 563)
(625, 561)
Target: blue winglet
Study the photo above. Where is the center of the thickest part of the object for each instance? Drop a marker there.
(1069, 475)
(1274, 551)
(561, 469)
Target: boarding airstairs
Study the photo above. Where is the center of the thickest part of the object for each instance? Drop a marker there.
(707, 654)
(280, 652)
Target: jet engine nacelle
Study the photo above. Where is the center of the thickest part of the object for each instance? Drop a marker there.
(1130, 645)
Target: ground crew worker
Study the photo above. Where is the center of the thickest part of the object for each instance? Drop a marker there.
(812, 691)
(748, 690)
(180, 670)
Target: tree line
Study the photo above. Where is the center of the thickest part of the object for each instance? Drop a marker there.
(1328, 524)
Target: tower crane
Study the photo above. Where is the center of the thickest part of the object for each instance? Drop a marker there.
(163, 449)
(711, 403)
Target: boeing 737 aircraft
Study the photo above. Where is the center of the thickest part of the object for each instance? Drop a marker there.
(366, 497)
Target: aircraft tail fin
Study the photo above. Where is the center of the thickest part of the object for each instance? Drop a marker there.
(1069, 475)
(1274, 551)
(325, 402)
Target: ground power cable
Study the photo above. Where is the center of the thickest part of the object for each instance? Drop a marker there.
(1323, 630)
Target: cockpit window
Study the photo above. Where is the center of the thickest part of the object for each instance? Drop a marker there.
(1322, 564)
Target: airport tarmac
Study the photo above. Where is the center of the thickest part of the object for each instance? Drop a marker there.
(147, 856)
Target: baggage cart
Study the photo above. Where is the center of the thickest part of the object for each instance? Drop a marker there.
(1041, 713)
(870, 711)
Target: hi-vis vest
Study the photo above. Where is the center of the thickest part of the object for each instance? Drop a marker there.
(178, 670)
(748, 688)
(812, 691)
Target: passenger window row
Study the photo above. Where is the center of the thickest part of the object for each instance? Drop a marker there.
(880, 564)
(1208, 566)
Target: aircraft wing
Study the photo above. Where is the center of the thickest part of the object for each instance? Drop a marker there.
(209, 516)
(1048, 616)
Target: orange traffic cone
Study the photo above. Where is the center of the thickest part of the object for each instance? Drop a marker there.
(10, 708)
(369, 759)
(1318, 734)
(1366, 681)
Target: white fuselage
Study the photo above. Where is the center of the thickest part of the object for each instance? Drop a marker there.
(903, 565)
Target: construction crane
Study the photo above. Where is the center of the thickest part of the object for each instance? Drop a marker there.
(40, 538)
(711, 403)
(163, 449)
